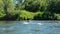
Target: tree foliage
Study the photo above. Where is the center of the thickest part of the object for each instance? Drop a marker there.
(2, 13)
(54, 6)
(29, 9)
(8, 7)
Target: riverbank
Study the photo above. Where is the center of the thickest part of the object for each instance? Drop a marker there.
(29, 10)
(26, 15)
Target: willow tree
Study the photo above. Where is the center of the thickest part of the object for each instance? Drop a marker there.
(9, 10)
(8, 7)
(2, 13)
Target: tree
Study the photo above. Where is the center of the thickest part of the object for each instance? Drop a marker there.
(8, 7)
(54, 6)
(32, 5)
(2, 13)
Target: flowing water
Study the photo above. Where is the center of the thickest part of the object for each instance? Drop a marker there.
(31, 27)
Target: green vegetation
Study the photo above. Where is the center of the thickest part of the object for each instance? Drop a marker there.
(30, 10)
(26, 15)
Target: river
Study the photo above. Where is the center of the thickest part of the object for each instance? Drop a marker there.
(31, 27)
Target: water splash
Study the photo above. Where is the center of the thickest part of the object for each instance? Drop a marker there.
(39, 23)
(25, 22)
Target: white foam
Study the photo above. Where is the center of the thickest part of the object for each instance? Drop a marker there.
(25, 22)
(39, 23)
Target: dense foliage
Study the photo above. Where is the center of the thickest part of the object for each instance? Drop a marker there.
(29, 9)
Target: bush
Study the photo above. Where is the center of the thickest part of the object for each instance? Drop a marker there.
(2, 14)
(26, 15)
(57, 16)
(45, 16)
(14, 16)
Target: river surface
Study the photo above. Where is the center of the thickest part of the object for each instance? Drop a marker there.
(31, 27)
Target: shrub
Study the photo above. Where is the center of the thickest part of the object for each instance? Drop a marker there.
(45, 16)
(2, 14)
(26, 15)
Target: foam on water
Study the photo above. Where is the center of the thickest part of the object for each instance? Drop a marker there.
(25, 22)
(39, 23)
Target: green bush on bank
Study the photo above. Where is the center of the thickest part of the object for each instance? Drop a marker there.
(45, 16)
(2, 14)
(57, 16)
(26, 15)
